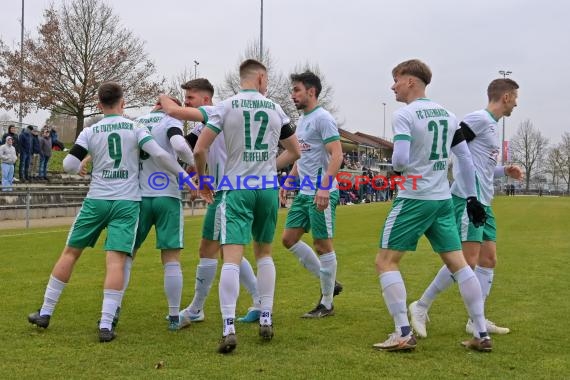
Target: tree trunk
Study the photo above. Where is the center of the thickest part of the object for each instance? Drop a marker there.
(80, 122)
(527, 180)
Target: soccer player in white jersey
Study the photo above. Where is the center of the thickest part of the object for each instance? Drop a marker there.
(113, 202)
(424, 134)
(161, 206)
(480, 129)
(199, 92)
(253, 126)
(315, 205)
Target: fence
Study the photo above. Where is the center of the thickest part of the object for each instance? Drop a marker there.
(44, 202)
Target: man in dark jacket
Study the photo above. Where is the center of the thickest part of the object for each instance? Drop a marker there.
(26, 148)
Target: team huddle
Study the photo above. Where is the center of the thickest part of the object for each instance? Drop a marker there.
(250, 136)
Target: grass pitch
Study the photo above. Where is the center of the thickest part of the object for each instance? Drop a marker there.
(529, 295)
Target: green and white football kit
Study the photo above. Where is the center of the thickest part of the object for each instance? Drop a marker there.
(161, 206)
(114, 144)
(314, 131)
(483, 142)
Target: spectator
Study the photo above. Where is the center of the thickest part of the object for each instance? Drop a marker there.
(8, 158)
(45, 153)
(26, 147)
(56, 144)
(35, 152)
(12, 133)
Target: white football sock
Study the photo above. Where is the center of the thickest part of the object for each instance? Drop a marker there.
(471, 293)
(247, 278)
(307, 257)
(205, 274)
(328, 277)
(394, 293)
(485, 277)
(229, 290)
(266, 283)
(443, 280)
(126, 277)
(52, 294)
(111, 299)
(173, 287)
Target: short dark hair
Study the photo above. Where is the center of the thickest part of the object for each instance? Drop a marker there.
(309, 80)
(30, 127)
(499, 87)
(415, 68)
(200, 84)
(250, 65)
(110, 93)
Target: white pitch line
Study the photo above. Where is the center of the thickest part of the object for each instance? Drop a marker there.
(34, 233)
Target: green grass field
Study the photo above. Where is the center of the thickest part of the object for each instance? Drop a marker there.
(530, 295)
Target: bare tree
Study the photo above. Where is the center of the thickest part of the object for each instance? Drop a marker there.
(178, 80)
(561, 159)
(528, 148)
(80, 45)
(279, 85)
(552, 165)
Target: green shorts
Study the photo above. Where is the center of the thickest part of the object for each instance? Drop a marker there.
(409, 219)
(304, 214)
(247, 213)
(166, 214)
(211, 226)
(467, 231)
(120, 217)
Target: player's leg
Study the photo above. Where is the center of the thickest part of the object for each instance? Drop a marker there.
(236, 217)
(323, 226)
(84, 232)
(248, 279)
(145, 222)
(208, 264)
(486, 266)
(112, 293)
(404, 225)
(471, 238)
(170, 240)
(263, 232)
(444, 239)
(297, 223)
(122, 224)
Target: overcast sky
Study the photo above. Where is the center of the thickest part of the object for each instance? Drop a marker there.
(357, 43)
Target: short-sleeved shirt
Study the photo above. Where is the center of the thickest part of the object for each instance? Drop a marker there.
(485, 149)
(158, 124)
(430, 129)
(252, 126)
(114, 147)
(315, 130)
(217, 154)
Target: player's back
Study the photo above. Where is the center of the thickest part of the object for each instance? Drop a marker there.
(252, 125)
(430, 129)
(158, 124)
(484, 148)
(113, 144)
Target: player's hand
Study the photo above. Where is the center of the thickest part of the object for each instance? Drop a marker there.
(322, 199)
(193, 195)
(83, 166)
(476, 212)
(514, 171)
(206, 193)
(282, 195)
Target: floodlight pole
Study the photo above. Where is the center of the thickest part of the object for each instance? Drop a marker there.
(261, 34)
(21, 66)
(504, 73)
